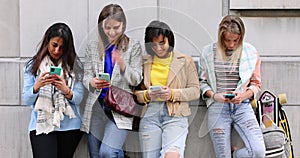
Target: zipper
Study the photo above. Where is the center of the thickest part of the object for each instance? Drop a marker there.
(277, 130)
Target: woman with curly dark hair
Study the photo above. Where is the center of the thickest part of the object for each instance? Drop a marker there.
(170, 81)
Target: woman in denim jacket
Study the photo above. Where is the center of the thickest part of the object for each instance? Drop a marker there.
(231, 67)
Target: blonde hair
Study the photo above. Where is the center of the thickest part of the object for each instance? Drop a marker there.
(230, 24)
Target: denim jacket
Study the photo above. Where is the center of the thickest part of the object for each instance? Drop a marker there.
(29, 98)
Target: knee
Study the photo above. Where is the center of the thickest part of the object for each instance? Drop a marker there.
(109, 152)
(259, 152)
(217, 132)
(218, 136)
(105, 153)
(173, 152)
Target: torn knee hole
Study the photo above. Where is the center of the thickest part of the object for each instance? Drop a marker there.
(218, 131)
(174, 149)
(146, 136)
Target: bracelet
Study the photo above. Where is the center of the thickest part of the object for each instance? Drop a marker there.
(145, 96)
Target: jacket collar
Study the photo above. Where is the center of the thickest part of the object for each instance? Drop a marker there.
(176, 64)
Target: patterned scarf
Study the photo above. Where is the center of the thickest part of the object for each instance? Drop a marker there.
(51, 104)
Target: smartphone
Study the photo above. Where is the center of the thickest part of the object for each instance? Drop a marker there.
(55, 70)
(155, 88)
(229, 95)
(104, 76)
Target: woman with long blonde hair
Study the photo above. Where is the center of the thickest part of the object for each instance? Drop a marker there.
(229, 72)
(121, 57)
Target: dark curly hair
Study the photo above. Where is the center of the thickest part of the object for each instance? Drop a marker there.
(155, 29)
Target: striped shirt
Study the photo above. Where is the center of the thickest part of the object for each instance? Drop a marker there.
(227, 74)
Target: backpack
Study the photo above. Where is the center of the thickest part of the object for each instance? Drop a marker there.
(284, 124)
(274, 124)
(276, 142)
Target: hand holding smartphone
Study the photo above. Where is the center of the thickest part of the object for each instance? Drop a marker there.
(229, 95)
(55, 70)
(155, 88)
(104, 76)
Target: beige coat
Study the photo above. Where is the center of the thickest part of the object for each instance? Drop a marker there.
(183, 79)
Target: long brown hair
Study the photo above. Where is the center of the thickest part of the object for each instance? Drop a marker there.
(231, 24)
(112, 11)
(70, 60)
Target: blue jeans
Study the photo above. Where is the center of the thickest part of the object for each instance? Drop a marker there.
(111, 145)
(161, 133)
(222, 117)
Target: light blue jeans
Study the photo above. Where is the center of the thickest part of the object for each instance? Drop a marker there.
(161, 133)
(222, 117)
(111, 145)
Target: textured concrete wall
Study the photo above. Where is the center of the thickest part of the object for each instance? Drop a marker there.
(9, 28)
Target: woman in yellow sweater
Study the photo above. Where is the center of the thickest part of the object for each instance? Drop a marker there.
(170, 82)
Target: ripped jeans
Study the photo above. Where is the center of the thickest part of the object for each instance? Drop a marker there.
(160, 133)
(222, 117)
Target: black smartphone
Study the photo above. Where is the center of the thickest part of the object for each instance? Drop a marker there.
(229, 95)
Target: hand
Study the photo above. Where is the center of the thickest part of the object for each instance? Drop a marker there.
(163, 95)
(59, 83)
(237, 99)
(219, 97)
(166, 93)
(99, 84)
(41, 82)
(117, 58)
